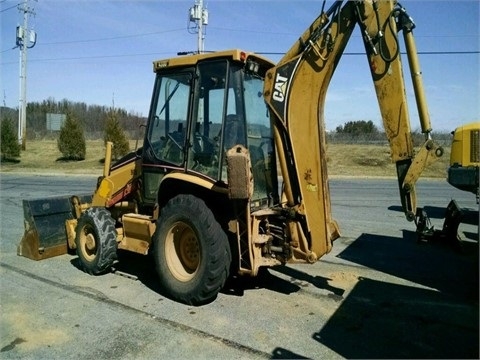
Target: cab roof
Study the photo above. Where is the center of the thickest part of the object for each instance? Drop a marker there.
(234, 54)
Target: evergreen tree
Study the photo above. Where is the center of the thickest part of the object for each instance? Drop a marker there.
(71, 141)
(114, 133)
(10, 148)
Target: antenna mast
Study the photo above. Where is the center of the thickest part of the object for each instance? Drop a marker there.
(198, 16)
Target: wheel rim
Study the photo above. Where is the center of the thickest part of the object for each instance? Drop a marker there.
(88, 244)
(182, 251)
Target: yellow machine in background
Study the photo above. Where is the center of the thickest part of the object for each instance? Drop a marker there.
(202, 195)
(463, 174)
(465, 158)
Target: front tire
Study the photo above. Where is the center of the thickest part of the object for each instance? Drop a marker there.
(191, 251)
(96, 240)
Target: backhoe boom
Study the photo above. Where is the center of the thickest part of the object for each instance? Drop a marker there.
(295, 92)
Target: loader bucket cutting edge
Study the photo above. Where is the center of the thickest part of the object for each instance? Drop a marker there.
(44, 221)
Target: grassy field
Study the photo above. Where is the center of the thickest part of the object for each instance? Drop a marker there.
(42, 156)
(374, 161)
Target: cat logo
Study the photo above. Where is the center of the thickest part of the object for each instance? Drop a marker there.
(280, 88)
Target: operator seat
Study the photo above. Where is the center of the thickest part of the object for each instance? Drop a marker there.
(234, 132)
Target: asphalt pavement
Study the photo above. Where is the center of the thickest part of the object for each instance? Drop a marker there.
(379, 293)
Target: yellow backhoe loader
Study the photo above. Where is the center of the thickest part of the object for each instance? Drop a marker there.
(202, 195)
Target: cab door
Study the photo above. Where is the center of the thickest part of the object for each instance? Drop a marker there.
(165, 145)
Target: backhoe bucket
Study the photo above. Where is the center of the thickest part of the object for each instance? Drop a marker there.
(45, 232)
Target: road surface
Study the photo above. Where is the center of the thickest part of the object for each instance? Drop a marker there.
(378, 294)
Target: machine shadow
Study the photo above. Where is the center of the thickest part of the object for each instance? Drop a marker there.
(266, 279)
(385, 320)
(238, 285)
(142, 268)
(434, 265)
(281, 353)
(379, 319)
(133, 266)
(434, 212)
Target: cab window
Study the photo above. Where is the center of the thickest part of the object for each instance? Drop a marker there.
(167, 133)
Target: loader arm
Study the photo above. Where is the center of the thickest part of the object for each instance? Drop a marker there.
(295, 91)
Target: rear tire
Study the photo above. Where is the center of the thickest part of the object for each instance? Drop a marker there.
(96, 240)
(191, 251)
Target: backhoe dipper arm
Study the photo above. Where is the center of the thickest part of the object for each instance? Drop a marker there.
(379, 21)
(295, 91)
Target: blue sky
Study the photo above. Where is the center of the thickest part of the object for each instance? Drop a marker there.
(98, 52)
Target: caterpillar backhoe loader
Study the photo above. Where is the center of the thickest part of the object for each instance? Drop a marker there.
(202, 195)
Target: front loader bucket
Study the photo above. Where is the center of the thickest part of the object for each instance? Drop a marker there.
(45, 232)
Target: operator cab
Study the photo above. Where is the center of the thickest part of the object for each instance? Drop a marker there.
(202, 106)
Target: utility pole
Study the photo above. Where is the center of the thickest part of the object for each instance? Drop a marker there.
(26, 39)
(198, 16)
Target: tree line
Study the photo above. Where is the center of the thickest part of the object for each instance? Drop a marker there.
(366, 132)
(117, 125)
(92, 118)
(80, 121)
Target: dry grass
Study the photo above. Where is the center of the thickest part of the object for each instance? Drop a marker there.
(373, 160)
(41, 156)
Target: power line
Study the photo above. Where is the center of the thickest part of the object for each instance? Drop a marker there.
(11, 7)
(448, 52)
(101, 39)
(353, 35)
(218, 28)
(257, 52)
(109, 38)
(90, 57)
(472, 52)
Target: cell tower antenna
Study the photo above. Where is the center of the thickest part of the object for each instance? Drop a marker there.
(198, 15)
